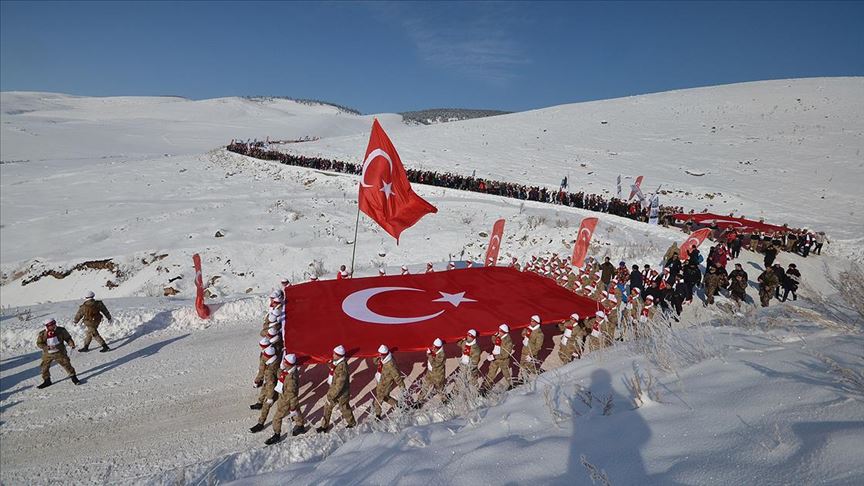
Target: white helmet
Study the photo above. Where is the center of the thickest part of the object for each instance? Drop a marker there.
(504, 328)
(89, 295)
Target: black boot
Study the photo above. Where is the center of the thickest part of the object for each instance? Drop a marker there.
(323, 429)
(273, 439)
(256, 428)
(83, 350)
(105, 349)
(297, 430)
(256, 406)
(75, 380)
(45, 384)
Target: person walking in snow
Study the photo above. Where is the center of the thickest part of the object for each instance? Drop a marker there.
(52, 341)
(570, 346)
(288, 404)
(470, 359)
(607, 271)
(767, 283)
(436, 375)
(791, 282)
(820, 239)
(781, 277)
(770, 254)
(532, 344)
(738, 285)
(712, 283)
(339, 393)
(268, 392)
(91, 312)
(387, 378)
(499, 358)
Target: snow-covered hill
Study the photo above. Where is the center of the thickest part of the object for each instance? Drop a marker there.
(790, 151)
(88, 196)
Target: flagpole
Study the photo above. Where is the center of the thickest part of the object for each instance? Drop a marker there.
(354, 247)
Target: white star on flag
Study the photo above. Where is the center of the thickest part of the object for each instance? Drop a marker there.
(454, 299)
(387, 189)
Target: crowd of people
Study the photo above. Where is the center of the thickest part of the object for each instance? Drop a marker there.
(594, 202)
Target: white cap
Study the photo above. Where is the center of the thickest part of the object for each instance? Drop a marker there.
(275, 339)
(437, 343)
(273, 317)
(290, 358)
(383, 349)
(472, 333)
(600, 314)
(270, 351)
(451, 264)
(276, 294)
(284, 281)
(575, 316)
(535, 318)
(50, 321)
(89, 295)
(264, 342)
(404, 267)
(504, 328)
(650, 297)
(340, 350)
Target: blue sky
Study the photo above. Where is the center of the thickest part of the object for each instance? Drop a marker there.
(384, 57)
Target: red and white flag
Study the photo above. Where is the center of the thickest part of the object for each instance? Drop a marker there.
(580, 249)
(385, 193)
(494, 243)
(636, 189)
(200, 307)
(409, 311)
(693, 241)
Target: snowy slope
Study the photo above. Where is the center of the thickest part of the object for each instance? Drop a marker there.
(801, 140)
(747, 400)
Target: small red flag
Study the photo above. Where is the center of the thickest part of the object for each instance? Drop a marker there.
(202, 308)
(407, 312)
(494, 243)
(385, 193)
(580, 249)
(693, 241)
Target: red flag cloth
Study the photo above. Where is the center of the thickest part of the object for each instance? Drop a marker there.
(580, 249)
(494, 243)
(200, 306)
(693, 241)
(385, 193)
(636, 188)
(723, 222)
(407, 312)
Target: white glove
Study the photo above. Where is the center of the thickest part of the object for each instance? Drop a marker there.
(490, 358)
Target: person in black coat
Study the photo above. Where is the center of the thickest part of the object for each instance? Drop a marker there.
(791, 282)
(679, 295)
(770, 255)
(781, 277)
(636, 280)
(735, 245)
(694, 257)
(692, 279)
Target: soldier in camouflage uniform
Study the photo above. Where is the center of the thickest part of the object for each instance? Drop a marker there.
(91, 312)
(532, 344)
(52, 341)
(470, 360)
(571, 340)
(499, 358)
(768, 282)
(436, 374)
(268, 393)
(288, 404)
(387, 377)
(712, 283)
(339, 393)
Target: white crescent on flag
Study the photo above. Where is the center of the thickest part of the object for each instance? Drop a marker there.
(372, 155)
(356, 305)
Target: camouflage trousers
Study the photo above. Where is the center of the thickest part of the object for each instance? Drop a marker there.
(765, 294)
(529, 365)
(287, 406)
(91, 333)
(499, 366)
(344, 407)
(60, 358)
(382, 396)
(566, 351)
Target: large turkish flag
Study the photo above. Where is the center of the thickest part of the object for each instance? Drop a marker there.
(385, 193)
(407, 312)
(693, 241)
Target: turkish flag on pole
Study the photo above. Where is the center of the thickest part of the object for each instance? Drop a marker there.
(200, 306)
(385, 193)
(407, 312)
(693, 241)
(635, 188)
(580, 249)
(494, 243)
